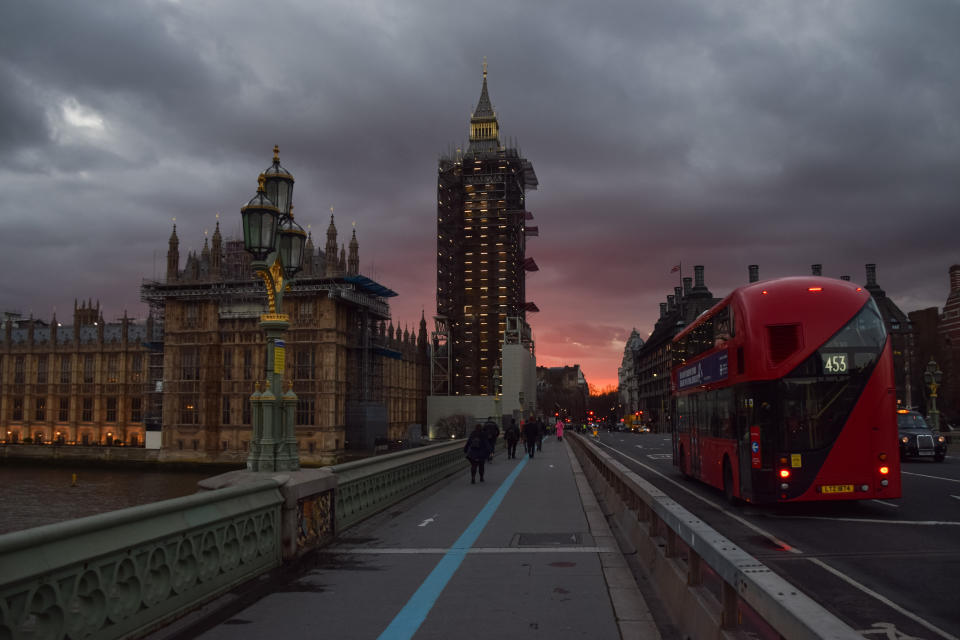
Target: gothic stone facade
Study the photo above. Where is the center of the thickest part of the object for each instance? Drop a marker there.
(81, 384)
(341, 350)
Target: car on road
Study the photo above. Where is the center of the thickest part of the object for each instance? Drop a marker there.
(917, 439)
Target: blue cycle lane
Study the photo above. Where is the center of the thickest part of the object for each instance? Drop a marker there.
(514, 556)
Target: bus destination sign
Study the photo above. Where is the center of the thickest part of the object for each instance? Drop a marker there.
(710, 369)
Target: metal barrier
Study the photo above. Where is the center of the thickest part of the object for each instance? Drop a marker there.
(127, 572)
(712, 588)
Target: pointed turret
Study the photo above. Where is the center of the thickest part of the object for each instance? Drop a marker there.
(422, 333)
(331, 249)
(216, 253)
(342, 265)
(308, 254)
(173, 256)
(353, 261)
(484, 128)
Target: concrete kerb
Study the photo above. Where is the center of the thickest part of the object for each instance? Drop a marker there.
(633, 616)
(790, 612)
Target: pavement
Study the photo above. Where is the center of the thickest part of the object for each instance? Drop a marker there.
(525, 554)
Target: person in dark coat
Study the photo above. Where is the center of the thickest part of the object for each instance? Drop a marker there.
(477, 449)
(493, 431)
(531, 435)
(512, 435)
(542, 431)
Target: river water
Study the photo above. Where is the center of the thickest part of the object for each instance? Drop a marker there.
(34, 495)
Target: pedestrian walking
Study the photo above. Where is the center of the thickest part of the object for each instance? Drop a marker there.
(491, 429)
(477, 449)
(559, 429)
(531, 435)
(512, 435)
(541, 431)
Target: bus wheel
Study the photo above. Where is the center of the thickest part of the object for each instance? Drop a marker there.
(728, 482)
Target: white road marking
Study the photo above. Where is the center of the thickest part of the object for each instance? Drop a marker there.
(887, 504)
(922, 523)
(428, 520)
(638, 446)
(380, 551)
(766, 534)
(921, 475)
(889, 603)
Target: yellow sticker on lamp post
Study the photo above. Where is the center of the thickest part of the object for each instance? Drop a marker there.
(279, 356)
(795, 461)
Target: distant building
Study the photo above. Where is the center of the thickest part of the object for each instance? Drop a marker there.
(949, 329)
(84, 383)
(562, 390)
(482, 231)
(359, 379)
(654, 359)
(628, 383)
(898, 328)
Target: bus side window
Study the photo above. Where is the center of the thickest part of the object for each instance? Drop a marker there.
(725, 413)
(721, 327)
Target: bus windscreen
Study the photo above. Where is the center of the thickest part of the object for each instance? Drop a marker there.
(817, 397)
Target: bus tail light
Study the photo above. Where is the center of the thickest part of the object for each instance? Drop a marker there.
(884, 470)
(882, 457)
(784, 473)
(814, 289)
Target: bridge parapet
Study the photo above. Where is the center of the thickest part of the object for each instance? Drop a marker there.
(126, 572)
(365, 487)
(712, 587)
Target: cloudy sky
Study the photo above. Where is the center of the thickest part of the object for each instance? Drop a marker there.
(713, 132)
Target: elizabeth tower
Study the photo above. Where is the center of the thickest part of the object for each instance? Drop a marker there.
(482, 227)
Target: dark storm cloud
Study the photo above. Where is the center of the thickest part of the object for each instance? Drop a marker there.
(716, 133)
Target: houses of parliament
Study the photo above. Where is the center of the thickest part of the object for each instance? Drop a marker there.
(184, 377)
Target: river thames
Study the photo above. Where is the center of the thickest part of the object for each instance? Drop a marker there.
(34, 495)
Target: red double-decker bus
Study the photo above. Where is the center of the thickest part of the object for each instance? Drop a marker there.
(784, 392)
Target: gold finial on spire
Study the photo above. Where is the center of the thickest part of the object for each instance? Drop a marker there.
(484, 67)
(354, 224)
(260, 181)
(218, 215)
(276, 153)
(291, 211)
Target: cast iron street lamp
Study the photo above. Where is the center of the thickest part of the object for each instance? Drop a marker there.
(276, 243)
(932, 376)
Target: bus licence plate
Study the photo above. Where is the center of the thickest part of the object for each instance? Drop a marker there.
(837, 488)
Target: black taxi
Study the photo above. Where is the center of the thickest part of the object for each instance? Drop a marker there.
(917, 439)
